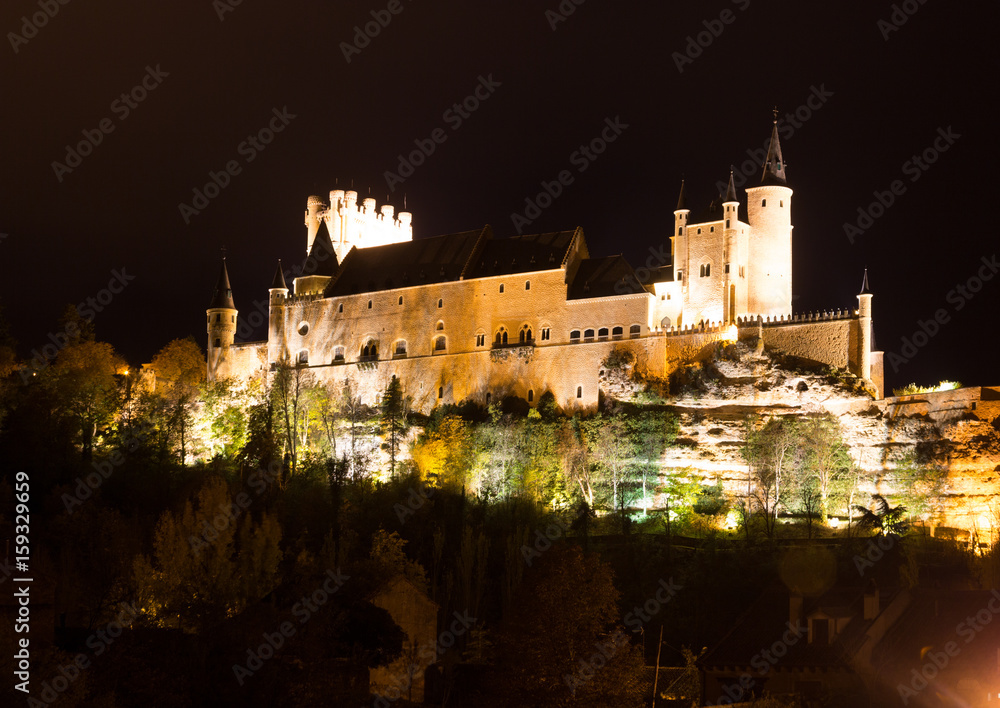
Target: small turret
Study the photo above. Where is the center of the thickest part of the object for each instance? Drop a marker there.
(865, 330)
(276, 316)
(221, 315)
(678, 240)
(315, 210)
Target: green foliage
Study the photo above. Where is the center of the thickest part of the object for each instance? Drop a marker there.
(882, 519)
(913, 389)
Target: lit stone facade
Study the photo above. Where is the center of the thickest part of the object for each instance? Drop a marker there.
(470, 316)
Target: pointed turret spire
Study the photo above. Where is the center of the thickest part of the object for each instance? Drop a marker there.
(864, 285)
(279, 279)
(774, 166)
(731, 189)
(223, 297)
(680, 198)
(322, 252)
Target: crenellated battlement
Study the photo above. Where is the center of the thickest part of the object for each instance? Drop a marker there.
(352, 224)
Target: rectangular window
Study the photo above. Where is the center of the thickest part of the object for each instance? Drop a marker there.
(727, 268)
(727, 223)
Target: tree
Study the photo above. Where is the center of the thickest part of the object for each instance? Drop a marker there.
(562, 646)
(393, 419)
(288, 387)
(826, 458)
(85, 382)
(883, 519)
(653, 431)
(612, 448)
(208, 562)
(444, 455)
(769, 451)
(180, 374)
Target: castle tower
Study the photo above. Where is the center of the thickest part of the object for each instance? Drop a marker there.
(769, 208)
(865, 332)
(679, 250)
(315, 212)
(278, 292)
(222, 314)
(733, 289)
(320, 265)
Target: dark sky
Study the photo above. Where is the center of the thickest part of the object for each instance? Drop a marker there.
(877, 102)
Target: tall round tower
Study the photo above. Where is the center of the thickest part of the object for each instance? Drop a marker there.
(221, 314)
(278, 293)
(865, 331)
(769, 208)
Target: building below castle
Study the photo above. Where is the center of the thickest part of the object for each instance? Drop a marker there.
(471, 316)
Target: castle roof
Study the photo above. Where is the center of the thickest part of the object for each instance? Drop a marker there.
(774, 166)
(680, 198)
(322, 252)
(279, 278)
(603, 277)
(223, 296)
(731, 189)
(441, 259)
(864, 285)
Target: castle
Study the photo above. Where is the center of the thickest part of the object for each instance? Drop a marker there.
(470, 316)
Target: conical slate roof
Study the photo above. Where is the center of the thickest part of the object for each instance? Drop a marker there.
(322, 253)
(279, 278)
(680, 198)
(864, 285)
(774, 166)
(223, 297)
(731, 189)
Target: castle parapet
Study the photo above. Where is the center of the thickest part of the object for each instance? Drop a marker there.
(352, 225)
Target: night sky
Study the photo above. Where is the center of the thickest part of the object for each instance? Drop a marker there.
(868, 98)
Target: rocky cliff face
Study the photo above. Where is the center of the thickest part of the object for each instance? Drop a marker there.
(955, 434)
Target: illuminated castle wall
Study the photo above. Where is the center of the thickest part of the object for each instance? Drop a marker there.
(470, 316)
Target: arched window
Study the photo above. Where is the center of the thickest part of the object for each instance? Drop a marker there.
(579, 391)
(400, 348)
(531, 395)
(369, 304)
(527, 285)
(501, 287)
(440, 303)
(340, 307)
(602, 333)
(616, 333)
(524, 336)
(588, 334)
(440, 344)
(440, 326)
(501, 339)
(400, 299)
(574, 335)
(369, 352)
(634, 331)
(440, 391)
